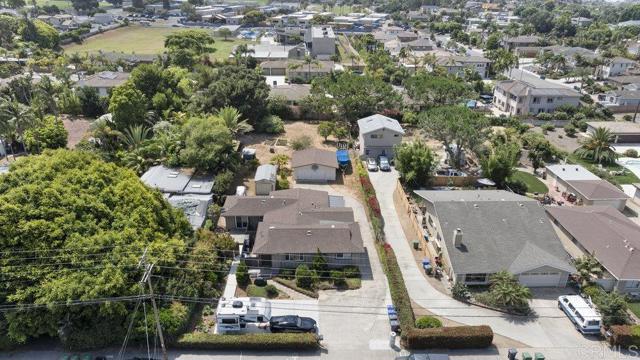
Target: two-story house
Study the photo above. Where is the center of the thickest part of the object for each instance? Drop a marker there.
(378, 135)
(456, 65)
(616, 66)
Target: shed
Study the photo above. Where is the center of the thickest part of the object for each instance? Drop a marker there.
(265, 179)
(314, 165)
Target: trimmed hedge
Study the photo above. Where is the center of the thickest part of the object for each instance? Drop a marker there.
(458, 337)
(625, 335)
(398, 290)
(291, 284)
(262, 342)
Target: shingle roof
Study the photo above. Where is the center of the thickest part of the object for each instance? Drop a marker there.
(597, 190)
(314, 156)
(500, 235)
(291, 92)
(105, 79)
(472, 196)
(605, 232)
(307, 239)
(261, 205)
(523, 39)
(377, 122)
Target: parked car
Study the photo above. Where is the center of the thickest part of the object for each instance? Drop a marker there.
(581, 312)
(384, 163)
(424, 357)
(292, 323)
(372, 165)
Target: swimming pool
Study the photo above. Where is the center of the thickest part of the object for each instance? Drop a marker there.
(631, 164)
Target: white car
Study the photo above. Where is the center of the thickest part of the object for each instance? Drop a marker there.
(372, 165)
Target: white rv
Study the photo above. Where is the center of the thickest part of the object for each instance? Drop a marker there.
(233, 314)
(581, 312)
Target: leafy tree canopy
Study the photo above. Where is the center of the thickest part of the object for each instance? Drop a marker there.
(429, 90)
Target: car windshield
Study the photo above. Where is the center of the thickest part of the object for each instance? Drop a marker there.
(299, 322)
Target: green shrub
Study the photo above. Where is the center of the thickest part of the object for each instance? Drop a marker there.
(547, 127)
(301, 143)
(570, 130)
(351, 272)
(242, 275)
(272, 291)
(593, 291)
(544, 116)
(319, 265)
(632, 153)
(282, 183)
(305, 278)
(271, 124)
(459, 291)
(428, 322)
(261, 342)
(398, 289)
(287, 274)
(260, 282)
(338, 279)
(458, 337)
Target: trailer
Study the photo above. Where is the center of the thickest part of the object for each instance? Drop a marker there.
(233, 314)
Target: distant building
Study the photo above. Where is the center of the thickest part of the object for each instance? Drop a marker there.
(378, 135)
(622, 131)
(321, 41)
(581, 21)
(528, 94)
(512, 43)
(616, 66)
(456, 65)
(104, 81)
(292, 93)
(264, 52)
(296, 69)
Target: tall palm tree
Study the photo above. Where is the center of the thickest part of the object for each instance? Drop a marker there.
(241, 52)
(404, 53)
(15, 118)
(232, 118)
(308, 61)
(586, 266)
(597, 147)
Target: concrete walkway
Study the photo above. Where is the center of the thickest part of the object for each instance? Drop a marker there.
(232, 283)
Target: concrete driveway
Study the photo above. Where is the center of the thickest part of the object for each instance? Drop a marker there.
(551, 329)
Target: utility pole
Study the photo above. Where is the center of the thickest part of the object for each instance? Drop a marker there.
(146, 278)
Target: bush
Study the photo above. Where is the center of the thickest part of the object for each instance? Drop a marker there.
(260, 282)
(459, 291)
(271, 124)
(632, 153)
(242, 275)
(517, 186)
(570, 130)
(547, 127)
(627, 117)
(278, 106)
(544, 116)
(428, 322)
(560, 115)
(351, 272)
(398, 289)
(338, 278)
(287, 274)
(459, 337)
(301, 143)
(272, 291)
(222, 182)
(282, 183)
(625, 335)
(319, 265)
(305, 278)
(262, 342)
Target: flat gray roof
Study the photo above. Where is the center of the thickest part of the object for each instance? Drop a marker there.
(194, 207)
(177, 180)
(568, 172)
(470, 195)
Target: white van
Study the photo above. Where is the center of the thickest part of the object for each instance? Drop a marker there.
(582, 312)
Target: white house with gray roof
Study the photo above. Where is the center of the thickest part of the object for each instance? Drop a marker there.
(378, 134)
(265, 179)
(477, 233)
(525, 93)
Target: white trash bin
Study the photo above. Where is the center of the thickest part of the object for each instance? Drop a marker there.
(392, 339)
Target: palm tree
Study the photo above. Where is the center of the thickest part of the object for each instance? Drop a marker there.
(597, 147)
(15, 118)
(134, 136)
(241, 52)
(404, 53)
(511, 295)
(586, 266)
(232, 118)
(308, 60)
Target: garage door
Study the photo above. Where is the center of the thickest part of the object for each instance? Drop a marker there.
(540, 279)
(315, 173)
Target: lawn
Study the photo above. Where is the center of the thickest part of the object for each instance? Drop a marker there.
(628, 177)
(635, 308)
(136, 39)
(64, 4)
(534, 185)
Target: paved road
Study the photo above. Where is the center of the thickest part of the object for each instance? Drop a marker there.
(551, 330)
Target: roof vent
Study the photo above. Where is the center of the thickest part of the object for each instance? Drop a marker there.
(308, 232)
(457, 237)
(237, 304)
(476, 206)
(263, 201)
(271, 227)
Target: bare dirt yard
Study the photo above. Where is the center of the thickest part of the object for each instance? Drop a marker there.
(77, 127)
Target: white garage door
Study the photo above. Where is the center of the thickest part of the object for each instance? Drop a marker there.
(540, 279)
(315, 173)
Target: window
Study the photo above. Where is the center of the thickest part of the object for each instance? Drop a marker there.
(294, 257)
(242, 222)
(549, 100)
(374, 136)
(343, 256)
(396, 135)
(536, 100)
(475, 278)
(634, 284)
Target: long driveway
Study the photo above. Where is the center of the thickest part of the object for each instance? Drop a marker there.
(550, 330)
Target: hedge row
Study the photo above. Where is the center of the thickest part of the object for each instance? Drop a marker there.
(625, 335)
(373, 206)
(291, 284)
(458, 337)
(263, 342)
(398, 290)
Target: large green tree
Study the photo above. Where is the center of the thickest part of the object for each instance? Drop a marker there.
(458, 128)
(187, 47)
(415, 162)
(500, 163)
(597, 147)
(208, 144)
(429, 90)
(80, 236)
(128, 106)
(48, 133)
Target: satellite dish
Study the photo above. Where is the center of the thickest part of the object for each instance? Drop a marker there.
(485, 182)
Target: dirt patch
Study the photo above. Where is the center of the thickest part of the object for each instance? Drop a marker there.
(77, 127)
(559, 139)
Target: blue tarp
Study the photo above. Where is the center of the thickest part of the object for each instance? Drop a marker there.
(343, 157)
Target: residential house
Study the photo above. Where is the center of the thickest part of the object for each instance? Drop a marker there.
(456, 65)
(477, 233)
(406, 36)
(292, 93)
(620, 100)
(378, 135)
(622, 131)
(614, 67)
(297, 69)
(103, 18)
(265, 179)
(184, 190)
(528, 94)
(104, 81)
(608, 235)
(515, 42)
(314, 165)
(291, 226)
(570, 53)
(421, 44)
(622, 80)
(264, 52)
(581, 21)
(321, 40)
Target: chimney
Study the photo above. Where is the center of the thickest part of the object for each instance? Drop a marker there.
(457, 237)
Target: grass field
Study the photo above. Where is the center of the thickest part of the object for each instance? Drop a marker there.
(627, 178)
(534, 185)
(63, 4)
(635, 308)
(142, 40)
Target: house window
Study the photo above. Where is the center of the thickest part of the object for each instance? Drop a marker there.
(536, 100)
(242, 222)
(475, 278)
(632, 284)
(343, 256)
(294, 257)
(374, 136)
(396, 135)
(549, 100)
